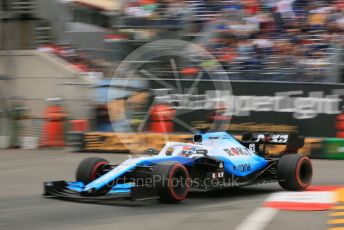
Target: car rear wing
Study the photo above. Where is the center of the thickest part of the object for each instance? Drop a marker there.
(292, 141)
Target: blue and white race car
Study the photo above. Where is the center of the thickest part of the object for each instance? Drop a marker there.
(214, 161)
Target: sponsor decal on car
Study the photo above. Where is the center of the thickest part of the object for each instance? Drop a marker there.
(237, 151)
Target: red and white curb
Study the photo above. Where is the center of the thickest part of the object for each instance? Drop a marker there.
(316, 198)
(301, 201)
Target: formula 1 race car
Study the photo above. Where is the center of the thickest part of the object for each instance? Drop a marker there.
(214, 161)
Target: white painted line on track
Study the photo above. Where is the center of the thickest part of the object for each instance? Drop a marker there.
(258, 219)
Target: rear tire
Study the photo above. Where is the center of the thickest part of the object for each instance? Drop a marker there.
(172, 181)
(294, 172)
(90, 169)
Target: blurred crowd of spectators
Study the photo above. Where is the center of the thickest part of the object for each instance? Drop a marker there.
(156, 13)
(293, 40)
(258, 39)
(280, 40)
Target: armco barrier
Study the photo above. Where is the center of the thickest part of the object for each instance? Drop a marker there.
(141, 142)
(4, 142)
(75, 141)
(29, 135)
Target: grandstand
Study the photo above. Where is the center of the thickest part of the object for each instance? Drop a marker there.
(282, 40)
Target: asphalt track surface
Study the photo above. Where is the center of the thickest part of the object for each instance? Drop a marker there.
(22, 206)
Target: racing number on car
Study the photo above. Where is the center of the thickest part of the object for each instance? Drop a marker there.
(252, 147)
(245, 168)
(276, 138)
(279, 138)
(218, 175)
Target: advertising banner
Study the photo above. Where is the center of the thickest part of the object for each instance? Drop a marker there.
(236, 106)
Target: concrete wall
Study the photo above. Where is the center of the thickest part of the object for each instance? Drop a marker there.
(36, 76)
(56, 12)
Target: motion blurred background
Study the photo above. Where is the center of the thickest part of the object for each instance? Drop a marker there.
(60, 82)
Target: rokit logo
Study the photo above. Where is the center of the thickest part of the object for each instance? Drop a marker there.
(237, 151)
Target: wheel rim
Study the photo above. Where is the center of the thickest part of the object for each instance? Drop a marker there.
(98, 170)
(178, 182)
(304, 172)
(179, 186)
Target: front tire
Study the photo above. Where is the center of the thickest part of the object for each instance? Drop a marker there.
(90, 169)
(172, 181)
(294, 172)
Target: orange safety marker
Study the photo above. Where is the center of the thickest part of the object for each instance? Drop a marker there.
(79, 125)
(336, 222)
(161, 118)
(340, 195)
(53, 128)
(337, 214)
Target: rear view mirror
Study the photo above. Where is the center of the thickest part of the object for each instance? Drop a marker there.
(197, 139)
